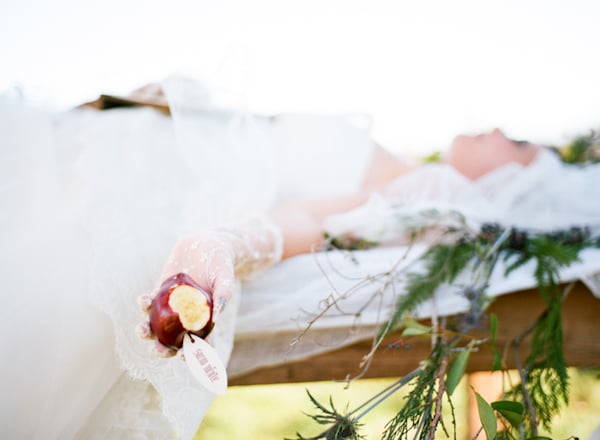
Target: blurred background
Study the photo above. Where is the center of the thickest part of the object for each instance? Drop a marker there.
(423, 70)
(275, 412)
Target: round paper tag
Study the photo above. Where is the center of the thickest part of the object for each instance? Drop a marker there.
(205, 364)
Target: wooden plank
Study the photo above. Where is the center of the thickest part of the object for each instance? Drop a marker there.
(515, 312)
(107, 102)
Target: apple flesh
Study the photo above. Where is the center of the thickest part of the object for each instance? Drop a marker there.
(181, 306)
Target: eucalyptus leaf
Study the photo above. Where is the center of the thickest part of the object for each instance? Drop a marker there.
(457, 370)
(493, 328)
(414, 328)
(487, 417)
(512, 411)
(415, 332)
(497, 364)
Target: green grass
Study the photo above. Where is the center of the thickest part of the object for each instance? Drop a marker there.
(274, 412)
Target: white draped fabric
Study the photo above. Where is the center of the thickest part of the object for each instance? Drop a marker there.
(93, 202)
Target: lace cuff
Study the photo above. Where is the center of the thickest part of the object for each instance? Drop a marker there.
(257, 244)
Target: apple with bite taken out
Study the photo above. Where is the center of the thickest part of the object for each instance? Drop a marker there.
(181, 306)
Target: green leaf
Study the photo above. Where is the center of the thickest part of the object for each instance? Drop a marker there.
(539, 437)
(509, 405)
(497, 364)
(493, 327)
(457, 370)
(414, 332)
(487, 417)
(512, 411)
(413, 328)
(442, 264)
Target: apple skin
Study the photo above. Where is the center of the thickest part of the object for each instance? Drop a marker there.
(165, 322)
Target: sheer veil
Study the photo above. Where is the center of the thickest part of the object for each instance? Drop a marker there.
(218, 170)
(92, 204)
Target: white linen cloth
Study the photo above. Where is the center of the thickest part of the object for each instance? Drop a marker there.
(93, 202)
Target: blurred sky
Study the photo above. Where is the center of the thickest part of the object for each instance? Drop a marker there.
(424, 70)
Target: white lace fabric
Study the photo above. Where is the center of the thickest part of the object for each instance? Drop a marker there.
(186, 189)
(218, 257)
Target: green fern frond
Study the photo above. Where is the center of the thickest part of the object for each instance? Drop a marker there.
(443, 263)
(418, 411)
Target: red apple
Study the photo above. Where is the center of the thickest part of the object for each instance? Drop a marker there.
(179, 307)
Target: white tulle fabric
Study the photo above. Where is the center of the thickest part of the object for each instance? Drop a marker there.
(93, 203)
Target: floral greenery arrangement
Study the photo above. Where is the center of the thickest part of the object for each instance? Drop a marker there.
(543, 386)
(583, 149)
